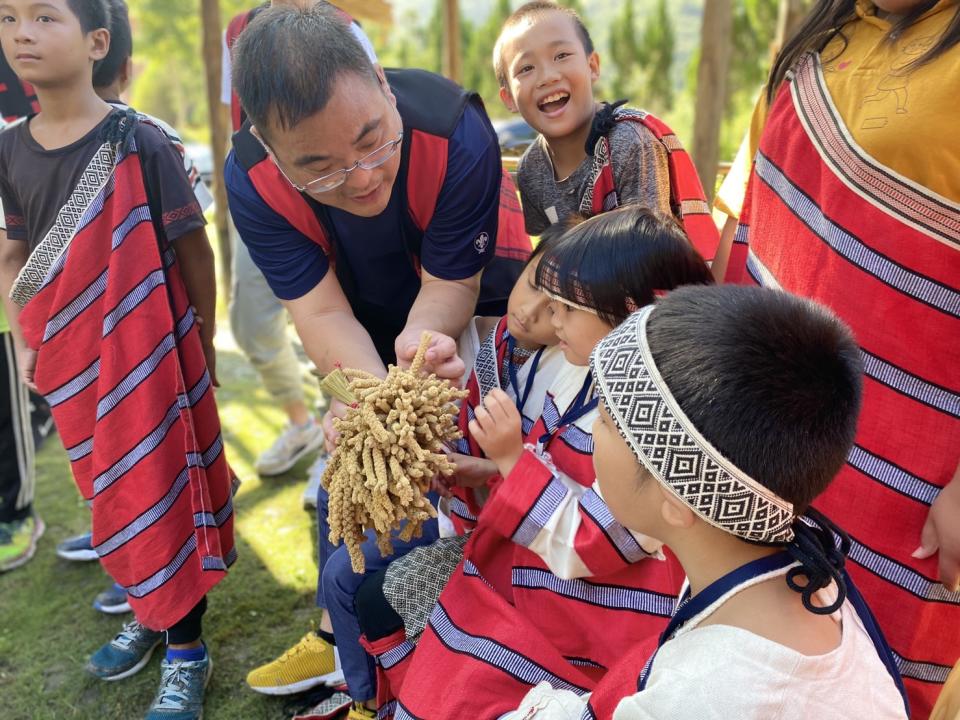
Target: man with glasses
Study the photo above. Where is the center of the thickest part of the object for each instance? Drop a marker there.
(373, 203)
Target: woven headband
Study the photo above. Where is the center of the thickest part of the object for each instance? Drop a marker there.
(583, 300)
(666, 442)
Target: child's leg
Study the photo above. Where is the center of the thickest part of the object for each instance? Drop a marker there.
(339, 584)
(187, 632)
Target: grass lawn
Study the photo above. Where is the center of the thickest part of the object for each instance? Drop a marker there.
(48, 627)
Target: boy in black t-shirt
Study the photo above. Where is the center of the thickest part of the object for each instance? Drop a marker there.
(106, 255)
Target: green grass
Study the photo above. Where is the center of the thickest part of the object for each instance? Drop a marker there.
(48, 627)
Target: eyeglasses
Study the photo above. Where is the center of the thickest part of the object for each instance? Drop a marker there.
(326, 183)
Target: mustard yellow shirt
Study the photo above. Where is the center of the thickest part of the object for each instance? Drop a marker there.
(908, 120)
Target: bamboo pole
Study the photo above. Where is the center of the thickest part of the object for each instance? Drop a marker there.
(451, 40)
(716, 47)
(211, 24)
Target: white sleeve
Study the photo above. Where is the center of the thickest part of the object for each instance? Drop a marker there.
(545, 703)
(364, 41)
(226, 65)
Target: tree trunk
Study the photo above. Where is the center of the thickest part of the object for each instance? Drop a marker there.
(451, 40)
(715, 51)
(210, 15)
(789, 16)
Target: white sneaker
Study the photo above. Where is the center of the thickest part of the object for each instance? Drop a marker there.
(313, 481)
(294, 442)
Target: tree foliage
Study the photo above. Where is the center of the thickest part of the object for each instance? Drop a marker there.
(642, 62)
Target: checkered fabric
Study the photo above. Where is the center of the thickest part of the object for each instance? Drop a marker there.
(414, 582)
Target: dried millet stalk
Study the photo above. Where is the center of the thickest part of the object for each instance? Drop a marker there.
(390, 448)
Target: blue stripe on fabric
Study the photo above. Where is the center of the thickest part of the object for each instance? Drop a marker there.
(146, 519)
(220, 517)
(388, 710)
(135, 377)
(923, 671)
(403, 714)
(463, 446)
(396, 655)
(625, 543)
(578, 439)
(459, 508)
(925, 290)
(231, 557)
(80, 450)
(185, 323)
(76, 385)
(539, 515)
(550, 415)
(900, 575)
(613, 597)
(495, 654)
(588, 713)
(206, 458)
(910, 385)
(742, 234)
(192, 397)
(584, 662)
(211, 562)
(76, 306)
(163, 575)
(204, 519)
(143, 448)
(94, 209)
(132, 300)
(137, 215)
(893, 476)
(526, 424)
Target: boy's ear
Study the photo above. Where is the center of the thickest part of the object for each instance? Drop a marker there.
(507, 98)
(99, 43)
(594, 62)
(674, 511)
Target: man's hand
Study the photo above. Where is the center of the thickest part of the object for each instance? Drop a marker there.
(27, 362)
(941, 533)
(441, 357)
(471, 472)
(336, 410)
(498, 431)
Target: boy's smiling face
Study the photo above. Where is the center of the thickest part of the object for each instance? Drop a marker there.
(44, 42)
(549, 74)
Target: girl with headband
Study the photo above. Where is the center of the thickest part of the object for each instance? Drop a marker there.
(724, 412)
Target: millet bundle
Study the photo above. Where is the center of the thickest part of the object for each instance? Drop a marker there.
(390, 449)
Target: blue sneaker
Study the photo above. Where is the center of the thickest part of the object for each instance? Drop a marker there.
(78, 548)
(182, 686)
(126, 654)
(112, 601)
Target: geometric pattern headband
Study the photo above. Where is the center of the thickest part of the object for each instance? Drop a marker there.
(666, 443)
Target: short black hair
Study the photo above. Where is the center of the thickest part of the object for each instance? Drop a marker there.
(773, 381)
(285, 63)
(121, 45)
(92, 14)
(548, 238)
(533, 9)
(622, 258)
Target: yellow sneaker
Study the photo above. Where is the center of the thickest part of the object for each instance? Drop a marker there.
(311, 662)
(359, 712)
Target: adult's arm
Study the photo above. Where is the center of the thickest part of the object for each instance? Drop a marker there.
(330, 332)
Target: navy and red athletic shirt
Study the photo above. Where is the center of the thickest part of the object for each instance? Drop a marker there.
(467, 207)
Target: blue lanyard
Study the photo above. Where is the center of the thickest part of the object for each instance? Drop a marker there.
(580, 407)
(512, 371)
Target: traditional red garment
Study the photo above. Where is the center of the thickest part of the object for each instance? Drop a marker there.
(121, 364)
(505, 621)
(825, 220)
(686, 192)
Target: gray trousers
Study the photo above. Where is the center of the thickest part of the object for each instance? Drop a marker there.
(259, 325)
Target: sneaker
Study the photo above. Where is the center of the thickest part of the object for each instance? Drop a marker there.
(182, 686)
(126, 654)
(112, 601)
(311, 662)
(78, 548)
(18, 541)
(360, 712)
(294, 442)
(313, 481)
(327, 709)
